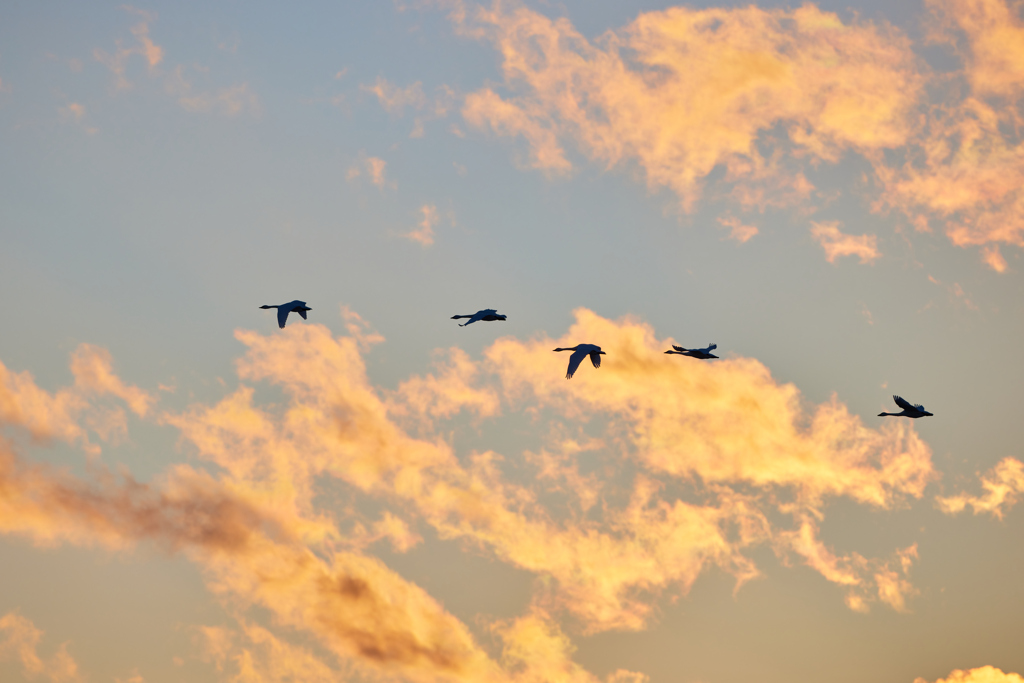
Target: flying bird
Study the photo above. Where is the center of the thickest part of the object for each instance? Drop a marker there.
(703, 354)
(581, 351)
(283, 310)
(916, 410)
(487, 315)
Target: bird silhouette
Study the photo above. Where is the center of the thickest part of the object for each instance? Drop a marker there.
(581, 351)
(283, 310)
(703, 354)
(487, 314)
(916, 410)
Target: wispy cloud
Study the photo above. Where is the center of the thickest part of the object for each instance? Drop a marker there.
(229, 101)
(837, 243)
(144, 47)
(396, 99)
(375, 169)
(424, 233)
(69, 414)
(738, 231)
(19, 640)
(1003, 486)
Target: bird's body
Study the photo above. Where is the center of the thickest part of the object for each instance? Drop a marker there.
(487, 315)
(283, 310)
(909, 410)
(703, 354)
(581, 351)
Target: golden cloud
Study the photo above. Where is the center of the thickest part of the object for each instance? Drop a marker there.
(61, 415)
(982, 674)
(725, 454)
(837, 243)
(682, 91)
(1003, 486)
(737, 230)
(19, 640)
(966, 167)
(732, 426)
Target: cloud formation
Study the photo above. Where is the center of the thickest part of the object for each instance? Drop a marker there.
(982, 674)
(606, 572)
(966, 167)
(424, 234)
(144, 47)
(737, 230)
(701, 465)
(69, 414)
(375, 169)
(682, 91)
(1003, 486)
(19, 640)
(837, 243)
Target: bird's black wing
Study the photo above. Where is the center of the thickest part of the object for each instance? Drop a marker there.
(595, 358)
(902, 403)
(574, 362)
(282, 316)
(302, 313)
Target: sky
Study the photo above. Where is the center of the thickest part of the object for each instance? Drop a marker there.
(831, 192)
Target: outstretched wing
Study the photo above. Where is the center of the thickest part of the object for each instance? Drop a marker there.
(595, 358)
(711, 347)
(302, 312)
(902, 403)
(282, 315)
(574, 362)
(476, 316)
(680, 349)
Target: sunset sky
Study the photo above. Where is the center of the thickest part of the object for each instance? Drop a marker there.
(831, 192)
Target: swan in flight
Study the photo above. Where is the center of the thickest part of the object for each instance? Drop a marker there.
(283, 310)
(581, 351)
(488, 315)
(908, 410)
(703, 354)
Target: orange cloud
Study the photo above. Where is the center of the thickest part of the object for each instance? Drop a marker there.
(425, 233)
(263, 657)
(983, 674)
(374, 167)
(682, 91)
(68, 414)
(144, 47)
(229, 101)
(994, 259)
(506, 118)
(994, 32)
(731, 427)
(1003, 486)
(395, 99)
(738, 231)
(966, 167)
(19, 640)
(741, 444)
(836, 243)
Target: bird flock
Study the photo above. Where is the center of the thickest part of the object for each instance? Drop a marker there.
(581, 351)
